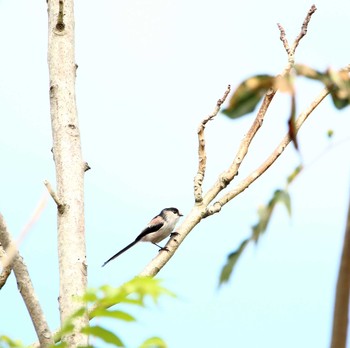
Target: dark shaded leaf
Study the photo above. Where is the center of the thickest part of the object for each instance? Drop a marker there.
(103, 334)
(231, 261)
(292, 131)
(340, 88)
(247, 95)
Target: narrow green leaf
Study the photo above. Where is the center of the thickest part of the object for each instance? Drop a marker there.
(282, 196)
(247, 95)
(7, 341)
(154, 342)
(105, 335)
(231, 261)
(294, 174)
(102, 312)
(264, 213)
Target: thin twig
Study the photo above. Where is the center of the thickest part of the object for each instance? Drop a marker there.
(303, 30)
(283, 38)
(291, 50)
(202, 157)
(26, 289)
(52, 193)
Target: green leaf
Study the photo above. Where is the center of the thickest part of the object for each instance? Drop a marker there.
(147, 286)
(231, 261)
(102, 312)
(265, 212)
(294, 174)
(340, 88)
(90, 295)
(154, 342)
(337, 82)
(330, 133)
(248, 94)
(306, 71)
(105, 335)
(6, 341)
(282, 196)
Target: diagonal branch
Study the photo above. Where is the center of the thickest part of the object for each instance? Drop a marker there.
(225, 178)
(6, 268)
(200, 210)
(26, 288)
(244, 184)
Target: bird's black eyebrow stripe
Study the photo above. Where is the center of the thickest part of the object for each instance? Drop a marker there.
(148, 230)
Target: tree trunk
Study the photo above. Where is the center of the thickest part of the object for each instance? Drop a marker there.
(69, 165)
(341, 306)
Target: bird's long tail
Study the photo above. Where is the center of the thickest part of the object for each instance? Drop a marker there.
(121, 251)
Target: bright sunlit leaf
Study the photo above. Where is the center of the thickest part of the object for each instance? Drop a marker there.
(102, 312)
(105, 335)
(154, 342)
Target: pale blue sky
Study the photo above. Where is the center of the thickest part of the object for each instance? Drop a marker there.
(149, 71)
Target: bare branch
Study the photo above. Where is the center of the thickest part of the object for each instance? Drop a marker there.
(202, 157)
(291, 50)
(26, 288)
(226, 177)
(6, 270)
(201, 210)
(244, 184)
(303, 30)
(283, 38)
(53, 194)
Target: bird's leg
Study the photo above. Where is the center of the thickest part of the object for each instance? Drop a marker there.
(160, 247)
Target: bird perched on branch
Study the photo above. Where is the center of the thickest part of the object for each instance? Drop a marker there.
(158, 229)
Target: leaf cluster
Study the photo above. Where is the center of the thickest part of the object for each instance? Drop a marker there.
(264, 217)
(97, 303)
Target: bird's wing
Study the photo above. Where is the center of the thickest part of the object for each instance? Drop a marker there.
(154, 225)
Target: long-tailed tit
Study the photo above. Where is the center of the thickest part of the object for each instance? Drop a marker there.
(158, 228)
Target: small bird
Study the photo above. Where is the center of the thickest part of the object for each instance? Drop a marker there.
(158, 228)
